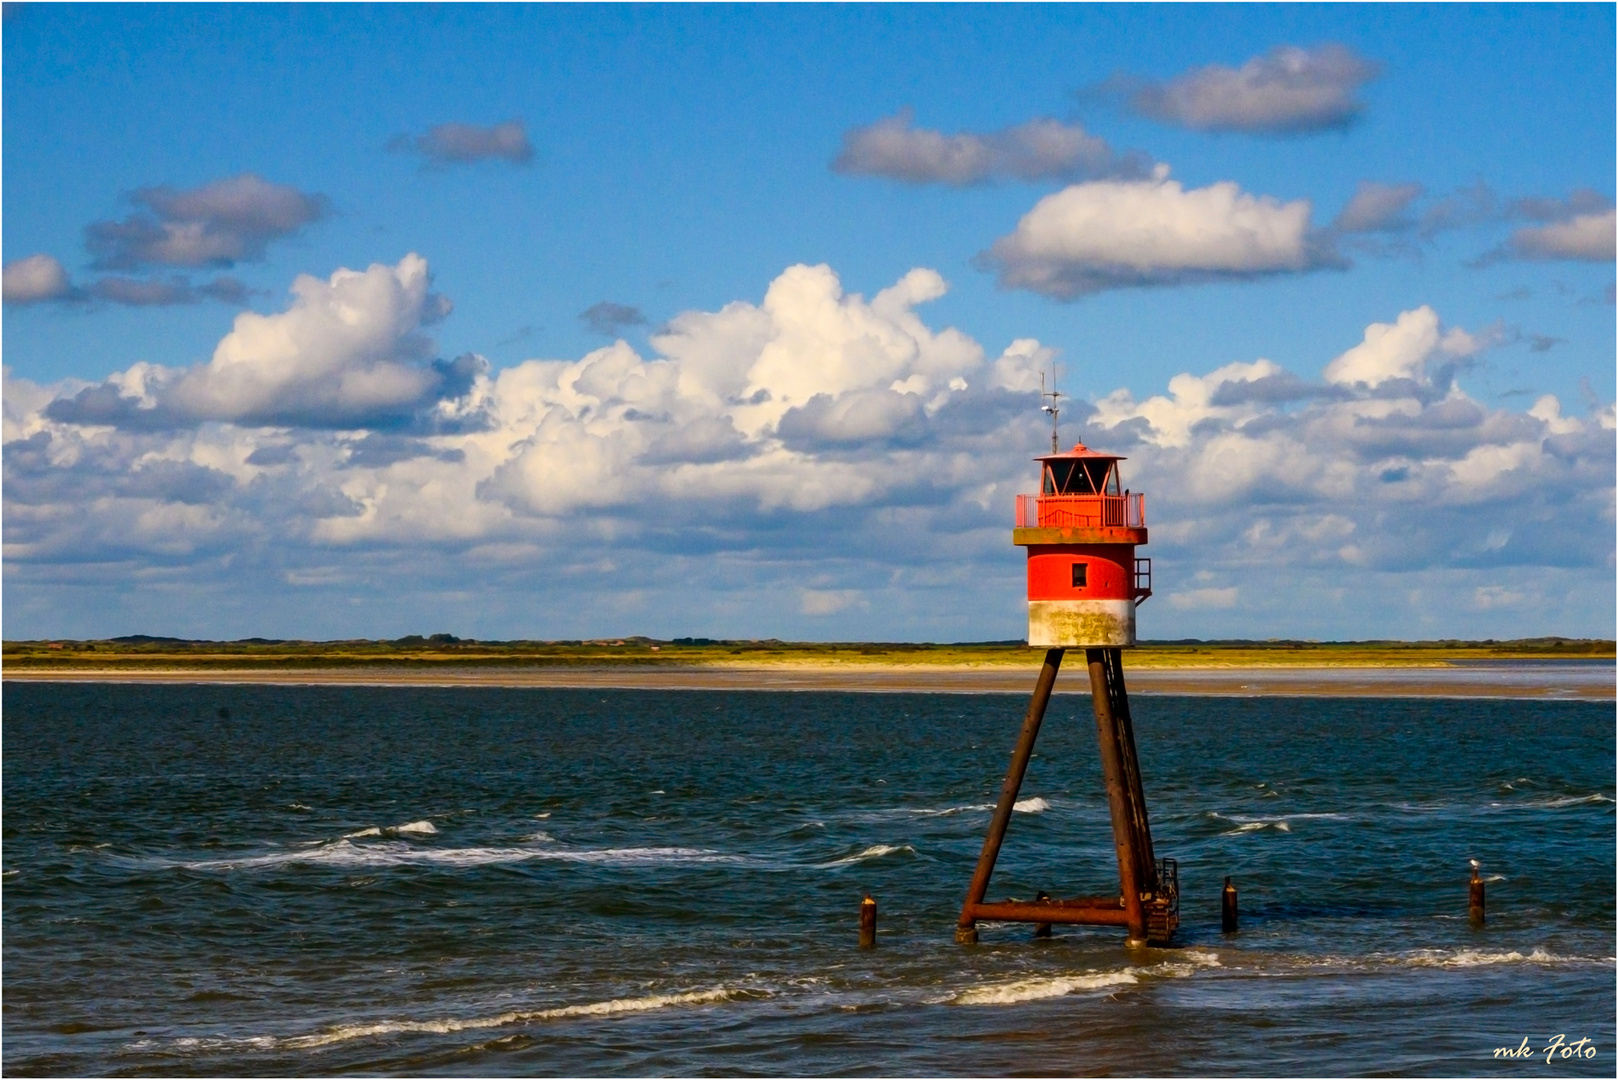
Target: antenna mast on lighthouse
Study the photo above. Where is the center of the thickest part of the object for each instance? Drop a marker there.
(1054, 395)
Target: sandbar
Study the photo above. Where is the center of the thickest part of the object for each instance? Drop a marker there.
(1544, 680)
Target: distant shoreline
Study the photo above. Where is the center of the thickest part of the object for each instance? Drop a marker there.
(1541, 679)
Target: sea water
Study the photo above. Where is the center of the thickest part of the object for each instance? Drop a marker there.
(206, 880)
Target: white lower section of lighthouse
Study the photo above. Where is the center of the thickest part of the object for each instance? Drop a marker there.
(1094, 624)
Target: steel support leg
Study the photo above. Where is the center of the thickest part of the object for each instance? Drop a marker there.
(966, 930)
(1110, 738)
(1145, 858)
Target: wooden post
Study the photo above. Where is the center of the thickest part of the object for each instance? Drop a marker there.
(1227, 908)
(966, 929)
(1474, 906)
(1110, 742)
(1042, 929)
(868, 923)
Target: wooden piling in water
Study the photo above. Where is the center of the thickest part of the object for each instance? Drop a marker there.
(1474, 903)
(1227, 908)
(1042, 929)
(868, 923)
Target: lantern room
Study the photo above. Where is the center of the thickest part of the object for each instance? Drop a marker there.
(1081, 531)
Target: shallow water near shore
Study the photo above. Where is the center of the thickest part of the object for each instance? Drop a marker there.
(239, 879)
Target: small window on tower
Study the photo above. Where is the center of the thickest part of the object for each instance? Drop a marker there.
(1080, 574)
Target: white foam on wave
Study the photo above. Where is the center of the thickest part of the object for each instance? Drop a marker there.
(409, 828)
(1200, 957)
(1465, 958)
(930, 811)
(1009, 993)
(396, 853)
(1034, 805)
(1568, 800)
(349, 1032)
(875, 851)
(1280, 822)
(1185, 962)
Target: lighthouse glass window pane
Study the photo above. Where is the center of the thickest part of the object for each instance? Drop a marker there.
(1081, 574)
(1112, 480)
(1095, 477)
(1061, 475)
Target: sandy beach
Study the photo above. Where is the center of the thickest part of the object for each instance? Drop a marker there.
(1582, 681)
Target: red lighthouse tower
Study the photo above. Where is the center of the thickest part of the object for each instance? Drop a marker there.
(1084, 584)
(1084, 581)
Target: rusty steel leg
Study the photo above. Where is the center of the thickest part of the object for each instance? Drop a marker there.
(1118, 697)
(966, 930)
(1118, 799)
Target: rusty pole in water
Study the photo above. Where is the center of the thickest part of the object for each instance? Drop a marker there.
(1474, 906)
(966, 931)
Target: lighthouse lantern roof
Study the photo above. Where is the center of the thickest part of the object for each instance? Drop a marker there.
(1079, 471)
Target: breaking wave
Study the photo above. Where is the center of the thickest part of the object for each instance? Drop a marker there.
(1465, 958)
(875, 851)
(341, 853)
(1279, 822)
(1009, 993)
(410, 828)
(373, 1029)
(564, 1012)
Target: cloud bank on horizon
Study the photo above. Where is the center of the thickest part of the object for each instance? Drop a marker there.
(323, 438)
(795, 458)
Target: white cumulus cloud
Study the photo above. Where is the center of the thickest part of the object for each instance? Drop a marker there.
(32, 279)
(1039, 149)
(1286, 91)
(349, 350)
(1588, 237)
(1110, 234)
(217, 224)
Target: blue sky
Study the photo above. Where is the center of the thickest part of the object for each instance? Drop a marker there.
(551, 371)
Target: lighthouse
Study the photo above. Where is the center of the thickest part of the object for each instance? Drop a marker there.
(1085, 583)
(1081, 531)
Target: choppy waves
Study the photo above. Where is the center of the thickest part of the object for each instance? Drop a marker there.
(446, 1026)
(342, 853)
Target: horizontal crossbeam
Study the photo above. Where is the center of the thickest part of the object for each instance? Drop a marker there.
(1083, 911)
